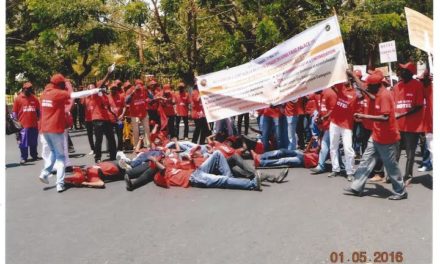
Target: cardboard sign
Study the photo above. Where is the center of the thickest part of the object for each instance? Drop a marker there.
(387, 51)
(419, 30)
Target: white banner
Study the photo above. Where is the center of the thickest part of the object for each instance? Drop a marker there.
(387, 51)
(419, 30)
(310, 61)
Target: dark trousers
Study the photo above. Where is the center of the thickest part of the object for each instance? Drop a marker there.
(141, 174)
(89, 127)
(102, 128)
(240, 168)
(186, 126)
(246, 123)
(171, 126)
(300, 131)
(201, 129)
(154, 115)
(409, 143)
(69, 141)
(118, 129)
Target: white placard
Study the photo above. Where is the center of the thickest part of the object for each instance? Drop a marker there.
(387, 51)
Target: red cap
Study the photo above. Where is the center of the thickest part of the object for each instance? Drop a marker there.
(152, 82)
(375, 77)
(358, 73)
(27, 85)
(138, 81)
(57, 79)
(117, 82)
(410, 67)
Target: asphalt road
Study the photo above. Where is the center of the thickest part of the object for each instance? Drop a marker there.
(302, 220)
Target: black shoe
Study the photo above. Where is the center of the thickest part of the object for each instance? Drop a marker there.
(36, 158)
(350, 191)
(71, 150)
(396, 197)
(334, 174)
(282, 175)
(68, 169)
(317, 170)
(22, 162)
(129, 186)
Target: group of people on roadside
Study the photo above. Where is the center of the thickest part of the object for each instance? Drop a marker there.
(369, 116)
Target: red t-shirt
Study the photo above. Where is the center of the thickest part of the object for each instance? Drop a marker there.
(197, 106)
(385, 132)
(407, 96)
(88, 109)
(291, 108)
(182, 103)
(427, 118)
(345, 107)
(368, 110)
(138, 103)
(327, 103)
(100, 105)
(53, 103)
(178, 172)
(168, 104)
(272, 112)
(311, 104)
(226, 150)
(118, 101)
(26, 109)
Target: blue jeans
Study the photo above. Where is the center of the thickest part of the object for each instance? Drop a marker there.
(143, 157)
(186, 146)
(387, 153)
(55, 142)
(215, 173)
(281, 157)
(427, 161)
(291, 131)
(325, 149)
(268, 125)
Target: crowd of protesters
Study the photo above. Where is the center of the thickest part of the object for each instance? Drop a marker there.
(364, 118)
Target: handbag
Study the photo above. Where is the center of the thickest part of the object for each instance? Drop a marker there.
(12, 125)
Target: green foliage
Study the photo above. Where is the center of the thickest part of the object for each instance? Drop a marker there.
(80, 38)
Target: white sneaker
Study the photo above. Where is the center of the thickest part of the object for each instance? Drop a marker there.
(91, 153)
(60, 188)
(124, 164)
(423, 169)
(43, 179)
(120, 155)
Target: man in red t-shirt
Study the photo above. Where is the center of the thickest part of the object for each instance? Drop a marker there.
(427, 121)
(53, 123)
(168, 104)
(26, 110)
(383, 143)
(341, 125)
(102, 117)
(408, 95)
(201, 130)
(182, 100)
(136, 99)
(327, 103)
(117, 101)
(88, 119)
